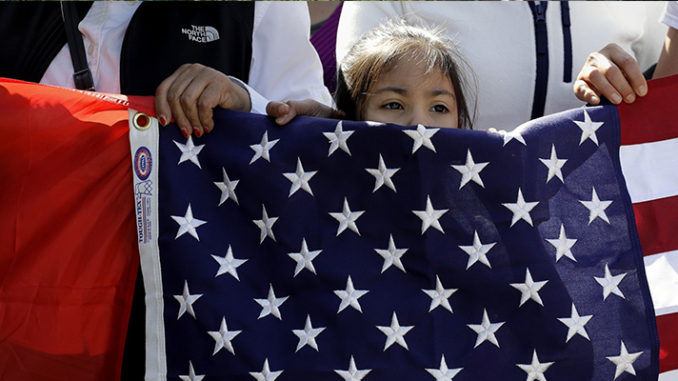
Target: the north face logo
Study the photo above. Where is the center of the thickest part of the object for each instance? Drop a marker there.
(199, 33)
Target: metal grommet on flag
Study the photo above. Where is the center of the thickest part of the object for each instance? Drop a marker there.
(141, 121)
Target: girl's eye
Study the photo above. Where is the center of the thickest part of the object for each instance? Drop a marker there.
(393, 106)
(439, 108)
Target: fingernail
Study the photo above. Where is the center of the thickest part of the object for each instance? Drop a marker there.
(616, 98)
(595, 100)
(184, 132)
(630, 98)
(642, 90)
(163, 120)
(198, 132)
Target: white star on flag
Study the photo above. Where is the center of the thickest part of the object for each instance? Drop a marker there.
(610, 283)
(478, 251)
(191, 374)
(300, 179)
(588, 128)
(186, 300)
(263, 148)
(228, 264)
(529, 289)
(554, 164)
(350, 296)
(338, 139)
(227, 188)
(304, 258)
(575, 324)
(535, 370)
(508, 136)
(382, 175)
(223, 337)
(624, 361)
(189, 151)
(347, 218)
(353, 373)
(395, 333)
(596, 207)
(440, 296)
(269, 306)
(265, 224)
(563, 245)
(266, 374)
(443, 373)
(430, 216)
(188, 224)
(391, 255)
(470, 171)
(307, 335)
(422, 136)
(521, 209)
(486, 330)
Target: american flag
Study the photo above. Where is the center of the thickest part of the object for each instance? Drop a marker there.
(337, 250)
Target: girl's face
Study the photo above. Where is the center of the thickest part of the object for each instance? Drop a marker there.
(408, 96)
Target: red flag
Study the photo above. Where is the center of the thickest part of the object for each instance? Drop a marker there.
(69, 255)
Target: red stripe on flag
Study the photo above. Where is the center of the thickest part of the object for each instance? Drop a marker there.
(657, 225)
(634, 118)
(668, 344)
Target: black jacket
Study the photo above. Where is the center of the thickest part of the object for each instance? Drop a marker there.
(161, 37)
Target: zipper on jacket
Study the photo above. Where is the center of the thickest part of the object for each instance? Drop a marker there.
(542, 55)
(567, 41)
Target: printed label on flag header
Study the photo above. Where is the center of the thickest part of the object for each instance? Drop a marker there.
(145, 178)
(143, 163)
(143, 194)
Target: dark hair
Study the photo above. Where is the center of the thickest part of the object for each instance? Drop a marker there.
(378, 51)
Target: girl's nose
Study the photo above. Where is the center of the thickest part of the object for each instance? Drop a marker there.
(419, 117)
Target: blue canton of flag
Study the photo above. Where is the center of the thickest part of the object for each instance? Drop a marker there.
(329, 250)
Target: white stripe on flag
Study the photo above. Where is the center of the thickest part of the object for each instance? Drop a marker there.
(662, 275)
(650, 169)
(669, 376)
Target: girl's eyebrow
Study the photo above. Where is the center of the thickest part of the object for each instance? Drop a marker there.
(400, 90)
(442, 92)
(394, 89)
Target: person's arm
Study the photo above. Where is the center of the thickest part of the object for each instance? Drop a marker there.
(668, 59)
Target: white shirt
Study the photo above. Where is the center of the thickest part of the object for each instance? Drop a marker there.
(670, 16)
(497, 40)
(284, 64)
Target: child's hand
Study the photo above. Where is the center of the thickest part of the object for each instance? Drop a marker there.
(612, 73)
(284, 112)
(190, 94)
